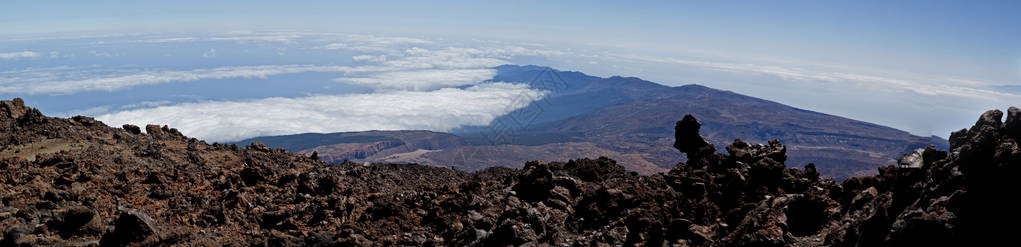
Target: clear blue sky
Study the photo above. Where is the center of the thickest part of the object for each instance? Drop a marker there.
(964, 38)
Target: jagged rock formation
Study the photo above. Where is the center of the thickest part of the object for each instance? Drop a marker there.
(78, 182)
(689, 141)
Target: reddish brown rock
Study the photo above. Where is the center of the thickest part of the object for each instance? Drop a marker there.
(105, 187)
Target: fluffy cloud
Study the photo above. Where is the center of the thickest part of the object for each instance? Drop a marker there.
(390, 63)
(451, 57)
(371, 43)
(101, 54)
(165, 40)
(23, 54)
(210, 53)
(438, 110)
(369, 58)
(419, 80)
(413, 69)
(380, 40)
(923, 85)
(70, 81)
(280, 38)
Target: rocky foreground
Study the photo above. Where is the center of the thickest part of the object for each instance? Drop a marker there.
(78, 182)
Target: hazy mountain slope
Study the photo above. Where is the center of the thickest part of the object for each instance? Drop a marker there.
(839, 146)
(628, 119)
(365, 145)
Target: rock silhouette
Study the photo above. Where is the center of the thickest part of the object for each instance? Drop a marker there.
(78, 182)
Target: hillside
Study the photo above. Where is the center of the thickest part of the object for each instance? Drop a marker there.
(78, 182)
(366, 145)
(627, 119)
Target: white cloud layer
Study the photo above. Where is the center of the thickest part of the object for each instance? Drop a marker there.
(280, 38)
(371, 43)
(210, 53)
(924, 85)
(392, 65)
(369, 58)
(70, 81)
(14, 55)
(418, 80)
(451, 66)
(438, 110)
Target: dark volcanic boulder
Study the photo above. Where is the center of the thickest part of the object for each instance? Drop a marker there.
(13, 109)
(132, 129)
(921, 157)
(689, 141)
(77, 220)
(1013, 124)
(535, 182)
(132, 226)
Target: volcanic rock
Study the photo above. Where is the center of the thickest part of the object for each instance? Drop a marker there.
(1013, 124)
(132, 129)
(689, 141)
(77, 220)
(132, 226)
(13, 109)
(109, 188)
(920, 157)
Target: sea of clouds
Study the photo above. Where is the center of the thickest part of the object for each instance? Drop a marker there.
(234, 85)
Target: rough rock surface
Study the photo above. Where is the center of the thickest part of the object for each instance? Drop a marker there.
(77, 182)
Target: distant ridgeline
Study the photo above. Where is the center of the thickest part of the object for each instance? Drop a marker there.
(628, 119)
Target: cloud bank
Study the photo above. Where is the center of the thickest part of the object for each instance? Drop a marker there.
(224, 121)
(14, 55)
(67, 81)
(437, 68)
(924, 85)
(419, 67)
(419, 80)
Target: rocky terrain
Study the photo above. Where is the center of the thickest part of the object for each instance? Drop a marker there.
(78, 182)
(362, 146)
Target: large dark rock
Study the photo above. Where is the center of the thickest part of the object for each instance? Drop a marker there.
(132, 226)
(162, 133)
(689, 141)
(535, 182)
(77, 220)
(132, 129)
(13, 109)
(921, 157)
(1013, 124)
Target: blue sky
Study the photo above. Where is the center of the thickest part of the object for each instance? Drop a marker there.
(923, 66)
(963, 37)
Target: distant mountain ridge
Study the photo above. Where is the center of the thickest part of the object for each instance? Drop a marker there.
(628, 119)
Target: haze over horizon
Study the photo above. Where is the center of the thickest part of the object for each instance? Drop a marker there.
(923, 67)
